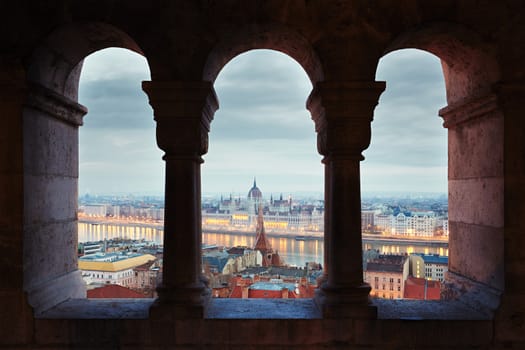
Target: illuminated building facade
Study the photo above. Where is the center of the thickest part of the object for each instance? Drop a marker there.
(422, 224)
(387, 275)
(279, 214)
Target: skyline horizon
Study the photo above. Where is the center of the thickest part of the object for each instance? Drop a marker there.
(238, 194)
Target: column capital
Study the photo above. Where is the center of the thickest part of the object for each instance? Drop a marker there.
(183, 111)
(342, 112)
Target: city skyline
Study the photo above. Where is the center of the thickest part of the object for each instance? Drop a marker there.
(262, 128)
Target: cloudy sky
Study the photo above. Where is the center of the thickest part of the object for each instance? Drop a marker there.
(262, 128)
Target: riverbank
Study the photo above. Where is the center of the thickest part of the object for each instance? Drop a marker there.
(298, 235)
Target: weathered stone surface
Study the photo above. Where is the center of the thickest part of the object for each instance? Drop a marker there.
(41, 263)
(50, 198)
(476, 148)
(477, 201)
(261, 309)
(477, 252)
(51, 146)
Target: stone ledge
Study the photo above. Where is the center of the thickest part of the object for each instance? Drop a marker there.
(99, 309)
(426, 310)
(413, 310)
(263, 309)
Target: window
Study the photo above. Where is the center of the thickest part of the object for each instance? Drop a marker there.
(118, 131)
(406, 116)
(263, 125)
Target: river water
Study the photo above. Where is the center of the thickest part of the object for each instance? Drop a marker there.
(293, 252)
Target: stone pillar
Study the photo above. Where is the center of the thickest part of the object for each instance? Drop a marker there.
(510, 319)
(342, 112)
(183, 112)
(475, 200)
(50, 132)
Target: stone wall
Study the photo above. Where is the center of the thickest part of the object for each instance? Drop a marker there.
(186, 43)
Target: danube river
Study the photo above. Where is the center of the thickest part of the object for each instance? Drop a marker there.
(294, 252)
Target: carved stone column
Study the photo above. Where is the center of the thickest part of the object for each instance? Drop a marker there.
(51, 123)
(342, 112)
(183, 112)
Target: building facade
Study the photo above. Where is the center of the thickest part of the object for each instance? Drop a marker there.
(112, 268)
(418, 224)
(280, 215)
(386, 275)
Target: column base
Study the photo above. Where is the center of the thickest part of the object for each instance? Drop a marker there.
(189, 302)
(345, 302)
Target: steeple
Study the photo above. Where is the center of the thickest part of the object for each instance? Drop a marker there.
(262, 243)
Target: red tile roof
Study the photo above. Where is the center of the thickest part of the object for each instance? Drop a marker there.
(113, 291)
(415, 289)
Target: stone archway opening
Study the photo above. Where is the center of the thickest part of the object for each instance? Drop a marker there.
(404, 181)
(121, 177)
(475, 162)
(52, 117)
(263, 130)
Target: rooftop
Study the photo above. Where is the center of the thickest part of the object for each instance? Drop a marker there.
(276, 286)
(115, 262)
(387, 263)
(434, 259)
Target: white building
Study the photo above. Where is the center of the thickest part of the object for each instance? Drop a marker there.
(423, 224)
(111, 268)
(383, 223)
(435, 267)
(94, 210)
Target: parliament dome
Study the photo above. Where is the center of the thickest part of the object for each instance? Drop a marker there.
(255, 192)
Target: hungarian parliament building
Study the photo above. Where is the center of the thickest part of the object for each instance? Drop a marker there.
(279, 214)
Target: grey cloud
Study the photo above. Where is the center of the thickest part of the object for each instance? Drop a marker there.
(263, 129)
(406, 128)
(116, 104)
(262, 95)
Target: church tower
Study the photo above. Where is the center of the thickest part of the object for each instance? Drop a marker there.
(262, 244)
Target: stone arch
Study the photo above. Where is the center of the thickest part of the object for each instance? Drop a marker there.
(469, 67)
(264, 36)
(475, 159)
(57, 62)
(51, 118)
